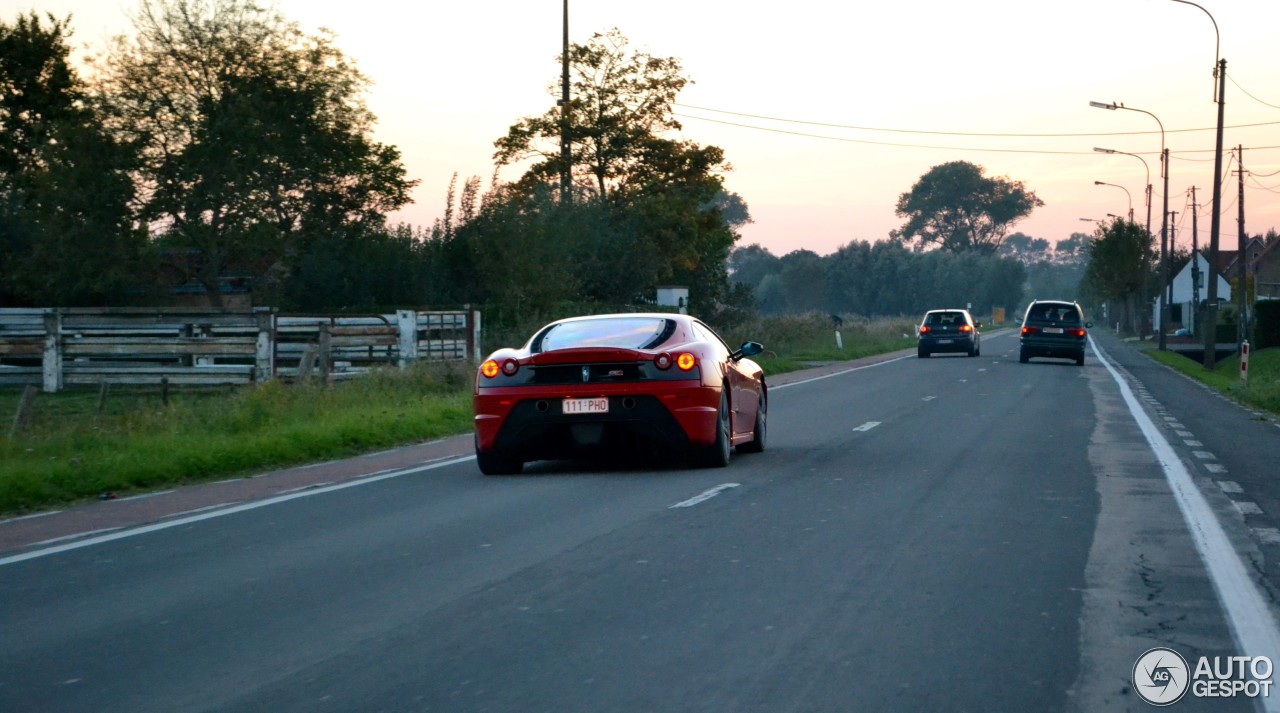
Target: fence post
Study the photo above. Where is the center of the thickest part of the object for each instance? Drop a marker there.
(473, 337)
(264, 362)
(326, 351)
(407, 323)
(52, 351)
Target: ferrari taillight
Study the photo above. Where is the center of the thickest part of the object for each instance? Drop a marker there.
(686, 361)
(489, 369)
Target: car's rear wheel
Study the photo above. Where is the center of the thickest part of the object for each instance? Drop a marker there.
(497, 462)
(973, 350)
(1080, 358)
(716, 455)
(1023, 356)
(922, 353)
(756, 444)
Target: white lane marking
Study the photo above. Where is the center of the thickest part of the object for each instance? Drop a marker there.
(1246, 611)
(1204, 455)
(1215, 468)
(1193, 443)
(867, 426)
(1183, 434)
(204, 509)
(30, 517)
(929, 398)
(1268, 535)
(13, 559)
(701, 497)
(1230, 486)
(305, 487)
(1247, 508)
(64, 538)
(839, 373)
(144, 496)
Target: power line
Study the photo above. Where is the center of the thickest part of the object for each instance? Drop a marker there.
(934, 147)
(957, 133)
(1246, 93)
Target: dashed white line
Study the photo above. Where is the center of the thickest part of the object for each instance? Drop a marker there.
(1230, 486)
(1247, 508)
(1204, 455)
(1183, 434)
(144, 496)
(929, 398)
(1247, 612)
(840, 373)
(1193, 443)
(1268, 535)
(30, 517)
(704, 496)
(867, 426)
(1215, 468)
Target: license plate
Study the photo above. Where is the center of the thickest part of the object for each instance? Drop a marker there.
(576, 406)
(944, 341)
(1053, 330)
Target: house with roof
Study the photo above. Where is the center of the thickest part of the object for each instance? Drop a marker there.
(1266, 272)
(1182, 312)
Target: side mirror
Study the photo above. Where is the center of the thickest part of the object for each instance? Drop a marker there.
(1088, 325)
(746, 350)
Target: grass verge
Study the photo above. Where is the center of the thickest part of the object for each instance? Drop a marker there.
(1262, 390)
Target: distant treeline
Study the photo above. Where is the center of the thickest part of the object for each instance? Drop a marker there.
(889, 278)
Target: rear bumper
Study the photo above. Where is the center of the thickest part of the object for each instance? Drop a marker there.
(531, 424)
(953, 343)
(1060, 347)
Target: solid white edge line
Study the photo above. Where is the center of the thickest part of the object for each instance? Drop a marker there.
(1251, 621)
(13, 559)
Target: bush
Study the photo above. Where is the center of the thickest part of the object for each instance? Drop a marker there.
(1267, 324)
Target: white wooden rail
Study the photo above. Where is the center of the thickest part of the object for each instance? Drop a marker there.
(54, 348)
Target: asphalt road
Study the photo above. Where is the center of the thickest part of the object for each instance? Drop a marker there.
(949, 534)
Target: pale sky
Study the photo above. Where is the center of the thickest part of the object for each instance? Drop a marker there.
(451, 77)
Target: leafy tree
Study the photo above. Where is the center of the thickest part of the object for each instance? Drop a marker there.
(620, 101)
(66, 230)
(1117, 264)
(956, 208)
(254, 137)
(655, 208)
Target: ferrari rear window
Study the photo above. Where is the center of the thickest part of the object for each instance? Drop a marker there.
(624, 332)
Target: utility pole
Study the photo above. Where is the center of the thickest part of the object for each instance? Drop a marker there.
(1195, 256)
(1242, 303)
(566, 173)
(1173, 241)
(1164, 255)
(1215, 224)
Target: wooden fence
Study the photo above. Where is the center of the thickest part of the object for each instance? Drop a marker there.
(54, 348)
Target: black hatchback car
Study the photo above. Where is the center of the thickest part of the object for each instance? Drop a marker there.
(1053, 328)
(948, 330)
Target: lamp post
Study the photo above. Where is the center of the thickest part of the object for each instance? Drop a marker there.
(1146, 247)
(1126, 193)
(1215, 220)
(1164, 216)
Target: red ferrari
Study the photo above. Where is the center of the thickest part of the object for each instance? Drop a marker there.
(603, 383)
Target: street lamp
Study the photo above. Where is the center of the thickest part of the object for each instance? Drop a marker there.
(1146, 247)
(1164, 215)
(1215, 221)
(1126, 193)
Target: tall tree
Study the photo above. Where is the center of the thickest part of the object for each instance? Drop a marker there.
(1117, 263)
(67, 236)
(255, 137)
(657, 210)
(955, 207)
(621, 99)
